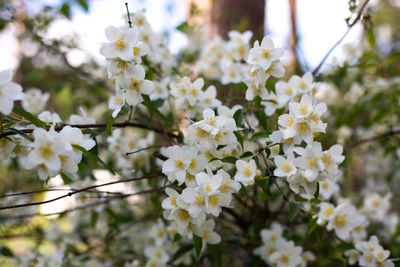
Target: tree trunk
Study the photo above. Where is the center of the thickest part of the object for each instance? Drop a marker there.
(225, 15)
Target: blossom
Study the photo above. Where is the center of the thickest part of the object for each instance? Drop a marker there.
(135, 85)
(246, 171)
(121, 41)
(9, 92)
(263, 55)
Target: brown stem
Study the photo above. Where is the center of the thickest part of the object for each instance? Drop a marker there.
(261, 151)
(349, 27)
(79, 191)
(91, 205)
(97, 125)
(370, 139)
(142, 149)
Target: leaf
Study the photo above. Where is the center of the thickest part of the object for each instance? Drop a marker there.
(29, 116)
(238, 117)
(198, 243)
(229, 160)
(316, 194)
(216, 254)
(152, 109)
(246, 154)
(262, 134)
(294, 209)
(220, 147)
(66, 10)
(110, 123)
(181, 251)
(84, 4)
(94, 158)
(265, 186)
(239, 138)
(299, 198)
(21, 133)
(93, 219)
(184, 27)
(5, 251)
(66, 179)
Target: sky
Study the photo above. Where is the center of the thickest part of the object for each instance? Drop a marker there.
(320, 23)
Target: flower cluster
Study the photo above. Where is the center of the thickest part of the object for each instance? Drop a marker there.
(278, 251)
(53, 152)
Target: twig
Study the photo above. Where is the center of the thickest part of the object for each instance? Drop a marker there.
(160, 156)
(370, 139)
(142, 149)
(129, 16)
(79, 191)
(28, 215)
(261, 151)
(349, 27)
(97, 125)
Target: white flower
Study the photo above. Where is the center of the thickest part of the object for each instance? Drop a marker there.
(121, 43)
(157, 254)
(353, 255)
(344, 220)
(135, 85)
(195, 198)
(34, 101)
(177, 163)
(205, 231)
(171, 202)
(246, 171)
(9, 92)
(46, 151)
(287, 255)
(49, 118)
(284, 167)
(116, 103)
(263, 55)
(303, 84)
(326, 213)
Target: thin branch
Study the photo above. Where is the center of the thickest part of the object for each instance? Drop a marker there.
(261, 151)
(129, 16)
(370, 139)
(79, 191)
(349, 27)
(145, 148)
(91, 205)
(97, 125)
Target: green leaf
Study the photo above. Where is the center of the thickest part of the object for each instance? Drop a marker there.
(216, 254)
(93, 219)
(246, 154)
(220, 147)
(299, 198)
(239, 138)
(66, 10)
(238, 117)
(316, 194)
(5, 251)
(181, 251)
(110, 123)
(83, 4)
(229, 160)
(66, 179)
(21, 133)
(94, 158)
(198, 243)
(29, 116)
(262, 134)
(294, 209)
(152, 109)
(265, 186)
(184, 27)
